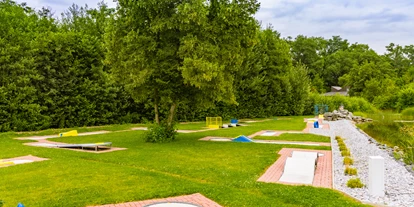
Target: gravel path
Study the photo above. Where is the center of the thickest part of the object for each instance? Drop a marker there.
(399, 183)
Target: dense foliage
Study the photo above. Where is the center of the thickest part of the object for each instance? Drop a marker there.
(384, 80)
(408, 112)
(392, 133)
(179, 60)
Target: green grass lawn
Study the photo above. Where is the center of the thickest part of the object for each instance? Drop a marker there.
(296, 137)
(192, 126)
(223, 172)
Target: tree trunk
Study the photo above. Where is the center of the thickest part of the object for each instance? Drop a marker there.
(156, 102)
(172, 113)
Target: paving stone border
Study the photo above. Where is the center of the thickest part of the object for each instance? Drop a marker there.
(323, 172)
(197, 199)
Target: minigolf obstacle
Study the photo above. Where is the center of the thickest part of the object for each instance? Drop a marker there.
(242, 138)
(20, 160)
(300, 168)
(320, 109)
(214, 122)
(234, 122)
(72, 133)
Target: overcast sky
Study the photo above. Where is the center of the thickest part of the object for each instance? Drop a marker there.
(372, 22)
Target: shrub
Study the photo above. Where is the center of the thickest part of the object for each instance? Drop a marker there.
(1, 203)
(405, 98)
(338, 138)
(398, 155)
(393, 134)
(354, 183)
(345, 153)
(350, 103)
(348, 161)
(350, 171)
(160, 133)
(408, 112)
(340, 142)
(343, 148)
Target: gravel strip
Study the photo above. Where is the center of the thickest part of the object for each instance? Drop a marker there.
(399, 183)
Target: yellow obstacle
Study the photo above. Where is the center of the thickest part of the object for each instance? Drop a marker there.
(72, 133)
(6, 163)
(214, 122)
(321, 116)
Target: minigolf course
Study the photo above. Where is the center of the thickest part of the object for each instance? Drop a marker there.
(193, 200)
(172, 204)
(300, 168)
(242, 138)
(98, 147)
(94, 146)
(20, 160)
(72, 133)
(297, 167)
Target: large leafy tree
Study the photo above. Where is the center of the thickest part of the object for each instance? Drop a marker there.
(309, 51)
(367, 67)
(175, 52)
(19, 109)
(269, 84)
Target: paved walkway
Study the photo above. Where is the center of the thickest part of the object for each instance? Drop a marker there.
(309, 124)
(36, 138)
(323, 172)
(196, 199)
(41, 141)
(277, 133)
(284, 142)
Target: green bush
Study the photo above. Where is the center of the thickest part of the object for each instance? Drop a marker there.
(350, 171)
(345, 153)
(343, 148)
(398, 155)
(354, 183)
(348, 161)
(160, 133)
(393, 134)
(406, 98)
(408, 112)
(1, 203)
(350, 103)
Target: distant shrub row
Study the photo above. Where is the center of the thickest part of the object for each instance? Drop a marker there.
(350, 103)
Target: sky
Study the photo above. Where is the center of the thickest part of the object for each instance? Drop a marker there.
(373, 22)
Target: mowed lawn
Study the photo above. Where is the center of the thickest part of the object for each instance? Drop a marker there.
(223, 172)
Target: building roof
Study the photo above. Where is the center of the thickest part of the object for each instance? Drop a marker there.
(343, 93)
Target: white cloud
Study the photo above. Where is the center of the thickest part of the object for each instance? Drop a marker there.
(59, 6)
(373, 22)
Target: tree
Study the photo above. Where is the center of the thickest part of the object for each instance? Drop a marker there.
(175, 52)
(309, 51)
(19, 109)
(366, 66)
